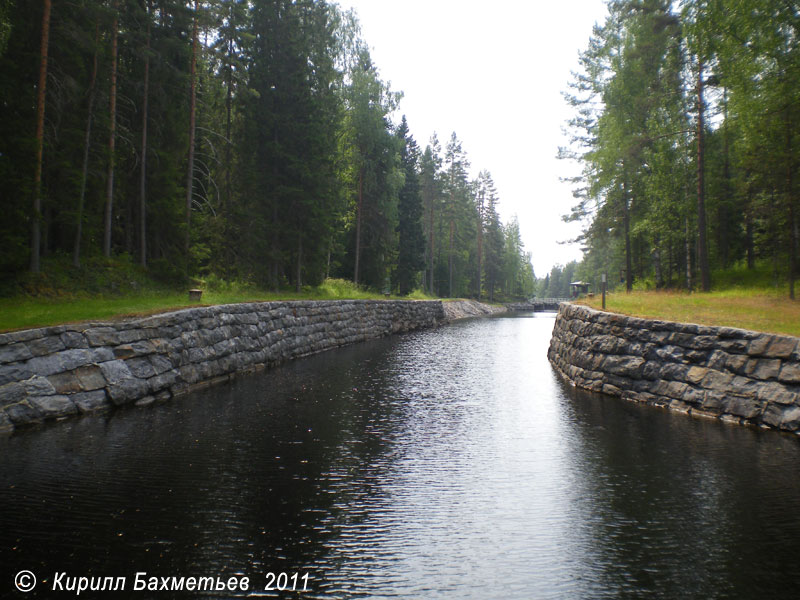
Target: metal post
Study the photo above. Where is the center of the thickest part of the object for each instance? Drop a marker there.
(603, 279)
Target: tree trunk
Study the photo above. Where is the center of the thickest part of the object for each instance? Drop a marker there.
(298, 275)
(790, 200)
(143, 170)
(688, 256)
(192, 119)
(36, 232)
(111, 136)
(358, 222)
(626, 218)
(328, 267)
(228, 111)
(76, 251)
(450, 259)
(480, 241)
(724, 206)
(657, 264)
(702, 244)
(432, 241)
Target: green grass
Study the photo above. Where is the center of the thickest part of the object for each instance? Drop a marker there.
(21, 312)
(757, 308)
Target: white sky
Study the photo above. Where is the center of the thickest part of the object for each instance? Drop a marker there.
(493, 72)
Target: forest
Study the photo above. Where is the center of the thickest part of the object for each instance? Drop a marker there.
(236, 140)
(686, 126)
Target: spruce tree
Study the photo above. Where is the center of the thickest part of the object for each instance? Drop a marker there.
(411, 241)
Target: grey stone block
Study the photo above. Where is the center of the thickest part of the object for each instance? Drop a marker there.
(38, 386)
(11, 393)
(26, 335)
(23, 413)
(772, 415)
(102, 336)
(54, 406)
(718, 359)
(717, 380)
(791, 419)
(139, 348)
(743, 407)
(42, 365)
(733, 346)
(90, 377)
(777, 392)
(163, 381)
(738, 363)
(189, 373)
(45, 345)
(127, 390)
(14, 372)
(697, 356)
(790, 372)
(140, 367)
(160, 363)
(93, 401)
(695, 375)
(671, 389)
(65, 383)
(14, 352)
(674, 371)
(781, 347)
(78, 357)
(115, 371)
(764, 368)
(74, 339)
(102, 355)
(628, 366)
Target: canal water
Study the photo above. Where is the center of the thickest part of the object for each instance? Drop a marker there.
(449, 463)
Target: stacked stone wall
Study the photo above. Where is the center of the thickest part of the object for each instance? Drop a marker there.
(732, 374)
(57, 372)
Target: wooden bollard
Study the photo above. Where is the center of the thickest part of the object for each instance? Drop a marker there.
(195, 295)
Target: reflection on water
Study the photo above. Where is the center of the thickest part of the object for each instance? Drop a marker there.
(440, 464)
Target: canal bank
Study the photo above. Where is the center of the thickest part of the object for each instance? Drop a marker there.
(68, 370)
(449, 462)
(735, 375)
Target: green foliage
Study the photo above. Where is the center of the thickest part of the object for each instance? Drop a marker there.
(652, 74)
(299, 172)
(411, 240)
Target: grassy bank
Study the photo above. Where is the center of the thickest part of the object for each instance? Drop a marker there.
(759, 309)
(23, 311)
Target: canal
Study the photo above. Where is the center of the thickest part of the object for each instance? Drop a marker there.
(449, 463)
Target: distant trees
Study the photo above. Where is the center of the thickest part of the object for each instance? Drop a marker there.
(411, 239)
(247, 139)
(684, 126)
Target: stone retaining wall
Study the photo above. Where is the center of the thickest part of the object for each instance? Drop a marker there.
(56, 372)
(720, 372)
(463, 309)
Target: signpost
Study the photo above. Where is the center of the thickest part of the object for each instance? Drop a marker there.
(603, 279)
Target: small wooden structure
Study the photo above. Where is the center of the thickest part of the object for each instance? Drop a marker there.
(578, 288)
(195, 295)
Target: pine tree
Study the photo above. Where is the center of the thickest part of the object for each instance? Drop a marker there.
(431, 190)
(411, 240)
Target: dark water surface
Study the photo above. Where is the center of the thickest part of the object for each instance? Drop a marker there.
(449, 463)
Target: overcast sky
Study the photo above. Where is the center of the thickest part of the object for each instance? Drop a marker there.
(493, 72)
